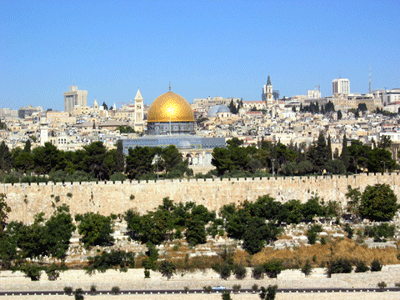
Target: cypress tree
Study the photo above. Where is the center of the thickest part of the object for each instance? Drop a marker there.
(120, 163)
(345, 156)
(329, 148)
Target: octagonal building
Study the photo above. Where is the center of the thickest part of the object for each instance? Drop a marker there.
(170, 114)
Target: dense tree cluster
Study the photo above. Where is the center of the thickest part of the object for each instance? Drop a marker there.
(237, 161)
(94, 162)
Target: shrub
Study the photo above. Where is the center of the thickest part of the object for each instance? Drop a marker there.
(380, 232)
(361, 267)
(226, 295)
(376, 266)
(349, 230)
(382, 285)
(273, 267)
(68, 290)
(186, 289)
(79, 294)
(236, 288)
(307, 268)
(32, 271)
(312, 233)
(52, 272)
(339, 265)
(239, 271)
(146, 273)
(268, 293)
(207, 289)
(258, 272)
(93, 289)
(115, 290)
(69, 195)
(254, 288)
(167, 268)
(115, 259)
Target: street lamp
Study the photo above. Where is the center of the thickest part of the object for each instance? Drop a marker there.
(171, 111)
(384, 166)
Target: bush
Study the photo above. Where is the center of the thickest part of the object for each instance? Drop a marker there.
(382, 285)
(52, 272)
(93, 289)
(115, 290)
(226, 295)
(239, 271)
(349, 230)
(376, 266)
(32, 271)
(146, 273)
(258, 272)
(307, 268)
(268, 293)
(361, 267)
(380, 232)
(236, 288)
(312, 233)
(273, 267)
(167, 268)
(339, 265)
(79, 294)
(116, 259)
(68, 290)
(254, 288)
(207, 289)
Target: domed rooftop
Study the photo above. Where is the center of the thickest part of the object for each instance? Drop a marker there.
(212, 113)
(170, 107)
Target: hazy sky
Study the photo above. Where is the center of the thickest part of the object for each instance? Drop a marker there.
(204, 48)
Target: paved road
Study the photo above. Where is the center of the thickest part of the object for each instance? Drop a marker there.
(200, 291)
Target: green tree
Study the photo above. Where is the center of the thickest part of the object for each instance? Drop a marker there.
(45, 158)
(4, 211)
(167, 268)
(268, 293)
(95, 229)
(339, 114)
(380, 160)
(58, 232)
(5, 157)
(120, 162)
(378, 203)
(27, 147)
(96, 162)
(385, 142)
(139, 161)
(344, 156)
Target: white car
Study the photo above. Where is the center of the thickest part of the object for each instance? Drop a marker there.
(219, 288)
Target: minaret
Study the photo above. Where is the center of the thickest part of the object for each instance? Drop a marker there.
(138, 111)
(269, 93)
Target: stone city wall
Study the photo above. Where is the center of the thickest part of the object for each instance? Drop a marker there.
(26, 200)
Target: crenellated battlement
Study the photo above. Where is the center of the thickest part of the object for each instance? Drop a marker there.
(108, 197)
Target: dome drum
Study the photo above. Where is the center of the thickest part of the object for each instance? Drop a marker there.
(164, 128)
(170, 114)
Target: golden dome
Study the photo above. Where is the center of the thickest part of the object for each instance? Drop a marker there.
(170, 107)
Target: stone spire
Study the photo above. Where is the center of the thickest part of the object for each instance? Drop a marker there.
(138, 95)
(269, 80)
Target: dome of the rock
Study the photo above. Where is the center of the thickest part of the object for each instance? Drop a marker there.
(170, 107)
(170, 113)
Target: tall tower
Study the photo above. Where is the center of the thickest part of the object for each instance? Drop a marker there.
(74, 97)
(138, 111)
(267, 93)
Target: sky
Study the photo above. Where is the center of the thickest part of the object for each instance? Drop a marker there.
(203, 48)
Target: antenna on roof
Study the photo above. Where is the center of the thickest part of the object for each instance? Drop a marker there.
(369, 83)
(170, 86)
